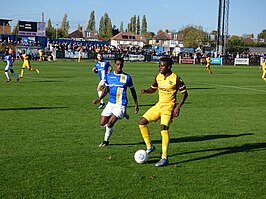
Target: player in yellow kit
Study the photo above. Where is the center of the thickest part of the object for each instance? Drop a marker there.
(80, 55)
(263, 67)
(26, 63)
(41, 55)
(208, 64)
(168, 84)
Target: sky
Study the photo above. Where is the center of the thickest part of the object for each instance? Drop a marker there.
(245, 16)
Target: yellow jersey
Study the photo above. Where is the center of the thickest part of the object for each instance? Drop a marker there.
(168, 87)
(208, 60)
(263, 66)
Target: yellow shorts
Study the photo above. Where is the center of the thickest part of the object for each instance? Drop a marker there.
(163, 111)
(26, 64)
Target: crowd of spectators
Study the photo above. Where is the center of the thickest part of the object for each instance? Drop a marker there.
(20, 42)
(94, 47)
(90, 47)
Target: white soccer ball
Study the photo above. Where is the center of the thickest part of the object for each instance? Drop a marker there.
(141, 156)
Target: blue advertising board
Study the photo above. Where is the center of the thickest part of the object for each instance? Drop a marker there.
(217, 60)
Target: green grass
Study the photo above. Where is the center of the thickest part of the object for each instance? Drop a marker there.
(49, 136)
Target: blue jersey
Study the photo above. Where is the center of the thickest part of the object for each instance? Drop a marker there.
(117, 84)
(102, 68)
(9, 60)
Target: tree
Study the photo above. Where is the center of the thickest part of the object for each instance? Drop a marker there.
(236, 44)
(50, 30)
(262, 35)
(105, 28)
(144, 25)
(148, 36)
(121, 27)
(129, 27)
(15, 30)
(133, 24)
(64, 26)
(60, 33)
(102, 27)
(138, 25)
(109, 32)
(194, 36)
(91, 23)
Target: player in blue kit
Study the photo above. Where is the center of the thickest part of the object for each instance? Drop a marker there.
(102, 68)
(9, 63)
(116, 83)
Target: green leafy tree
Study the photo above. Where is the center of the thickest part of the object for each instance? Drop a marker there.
(91, 23)
(138, 25)
(129, 27)
(133, 24)
(144, 25)
(64, 26)
(102, 27)
(50, 30)
(262, 34)
(236, 44)
(194, 36)
(109, 32)
(148, 36)
(60, 33)
(121, 27)
(105, 27)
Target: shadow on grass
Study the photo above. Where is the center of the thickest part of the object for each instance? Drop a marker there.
(29, 108)
(202, 138)
(192, 139)
(224, 151)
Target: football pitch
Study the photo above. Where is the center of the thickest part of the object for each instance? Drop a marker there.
(49, 136)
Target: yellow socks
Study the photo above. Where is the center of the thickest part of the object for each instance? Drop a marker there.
(145, 135)
(165, 142)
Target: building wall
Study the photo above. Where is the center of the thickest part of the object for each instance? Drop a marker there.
(5, 29)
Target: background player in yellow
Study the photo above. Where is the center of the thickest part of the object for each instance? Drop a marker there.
(168, 84)
(41, 55)
(208, 64)
(80, 55)
(263, 67)
(26, 63)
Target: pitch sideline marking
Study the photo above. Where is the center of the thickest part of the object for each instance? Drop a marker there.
(236, 87)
